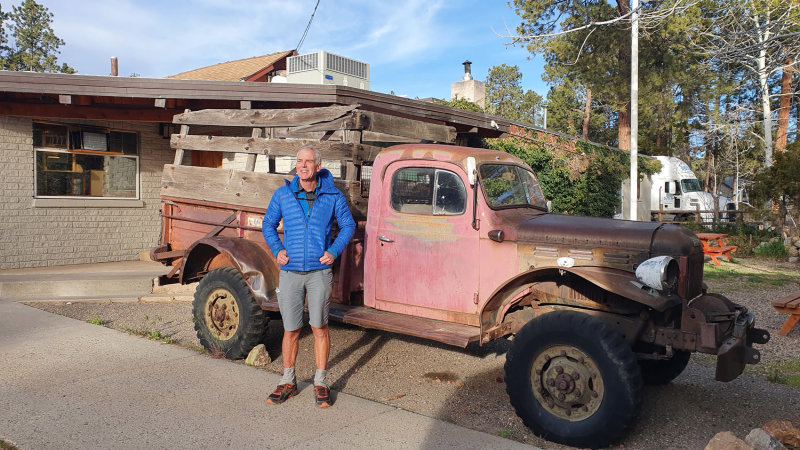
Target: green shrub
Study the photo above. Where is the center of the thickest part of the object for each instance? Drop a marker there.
(774, 249)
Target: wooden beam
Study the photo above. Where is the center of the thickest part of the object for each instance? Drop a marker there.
(273, 147)
(251, 157)
(263, 117)
(240, 188)
(354, 121)
(179, 150)
(400, 126)
(366, 136)
(59, 111)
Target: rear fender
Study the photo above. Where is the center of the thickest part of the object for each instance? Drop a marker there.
(612, 280)
(258, 268)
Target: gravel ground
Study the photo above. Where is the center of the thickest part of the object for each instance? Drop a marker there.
(466, 386)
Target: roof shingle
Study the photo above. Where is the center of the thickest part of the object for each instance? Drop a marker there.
(237, 70)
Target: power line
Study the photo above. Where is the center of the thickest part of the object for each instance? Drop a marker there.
(307, 27)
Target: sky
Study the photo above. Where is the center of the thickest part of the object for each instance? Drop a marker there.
(414, 47)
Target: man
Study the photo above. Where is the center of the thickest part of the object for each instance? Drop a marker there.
(308, 204)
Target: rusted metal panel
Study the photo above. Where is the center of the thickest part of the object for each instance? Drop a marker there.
(440, 331)
(426, 265)
(587, 233)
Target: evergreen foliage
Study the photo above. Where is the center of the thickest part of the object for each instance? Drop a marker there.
(505, 96)
(460, 103)
(585, 181)
(35, 44)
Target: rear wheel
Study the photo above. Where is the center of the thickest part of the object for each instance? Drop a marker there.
(573, 379)
(662, 371)
(226, 316)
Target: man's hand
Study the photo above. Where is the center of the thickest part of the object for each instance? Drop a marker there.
(282, 258)
(326, 259)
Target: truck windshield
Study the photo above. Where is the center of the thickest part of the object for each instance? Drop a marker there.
(690, 185)
(506, 185)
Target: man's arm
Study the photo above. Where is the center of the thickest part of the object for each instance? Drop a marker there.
(269, 226)
(346, 226)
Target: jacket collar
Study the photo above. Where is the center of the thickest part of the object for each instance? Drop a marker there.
(324, 182)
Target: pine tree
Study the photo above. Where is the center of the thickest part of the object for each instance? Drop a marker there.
(35, 43)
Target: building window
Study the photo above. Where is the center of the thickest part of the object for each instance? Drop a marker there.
(79, 161)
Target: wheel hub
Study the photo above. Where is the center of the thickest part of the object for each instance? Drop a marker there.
(221, 314)
(567, 382)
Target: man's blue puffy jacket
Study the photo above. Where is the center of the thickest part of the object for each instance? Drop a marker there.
(306, 238)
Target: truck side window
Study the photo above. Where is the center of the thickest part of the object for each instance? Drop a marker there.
(425, 190)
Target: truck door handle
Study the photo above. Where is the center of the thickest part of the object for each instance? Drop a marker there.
(384, 238)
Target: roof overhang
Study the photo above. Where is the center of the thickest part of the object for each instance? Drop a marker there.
(158, 100)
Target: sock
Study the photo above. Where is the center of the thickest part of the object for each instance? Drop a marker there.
(288, 376)
(320, 378)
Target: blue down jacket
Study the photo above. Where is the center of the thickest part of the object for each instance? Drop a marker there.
(306, 238)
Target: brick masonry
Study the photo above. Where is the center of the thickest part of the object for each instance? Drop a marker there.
(36, 236)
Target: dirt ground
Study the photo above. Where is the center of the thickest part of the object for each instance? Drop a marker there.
(466, 387)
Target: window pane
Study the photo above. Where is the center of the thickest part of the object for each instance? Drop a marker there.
(122, 142)
(451, 196)
(507, 185)
(53, 136)
(71, 174)
(412, 190)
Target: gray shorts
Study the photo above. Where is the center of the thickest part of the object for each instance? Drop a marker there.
(295, 287)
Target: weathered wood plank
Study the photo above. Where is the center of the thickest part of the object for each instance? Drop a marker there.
(251, 157)
(400, 126)
(179, 150)
(236, 187)
(263, 117)
(273, 147)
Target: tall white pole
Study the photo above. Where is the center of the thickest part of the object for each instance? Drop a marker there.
(634, 109)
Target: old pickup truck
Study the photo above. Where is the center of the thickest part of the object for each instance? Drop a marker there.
(457, 245)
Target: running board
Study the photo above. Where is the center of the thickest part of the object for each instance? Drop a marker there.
(436, 330)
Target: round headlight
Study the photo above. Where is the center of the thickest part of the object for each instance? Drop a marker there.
(660, 273)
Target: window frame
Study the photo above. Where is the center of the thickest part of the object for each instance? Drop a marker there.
(433, 191)
(38, 151)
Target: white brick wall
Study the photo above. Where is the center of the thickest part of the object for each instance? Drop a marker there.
(33, 236)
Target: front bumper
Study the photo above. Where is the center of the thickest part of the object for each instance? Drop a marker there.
(737, 351)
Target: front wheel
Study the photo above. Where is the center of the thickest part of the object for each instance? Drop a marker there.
(573, 379)
(226, 316)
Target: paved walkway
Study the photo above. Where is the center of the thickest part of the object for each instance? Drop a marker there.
(69, 384)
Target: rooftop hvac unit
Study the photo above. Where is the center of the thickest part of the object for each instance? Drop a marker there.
(327, 68)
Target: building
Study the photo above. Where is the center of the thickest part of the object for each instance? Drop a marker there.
(81, 157)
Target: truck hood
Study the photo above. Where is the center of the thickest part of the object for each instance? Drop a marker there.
(580, 232)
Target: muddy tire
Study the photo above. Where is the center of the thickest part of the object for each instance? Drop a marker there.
(572, 379)
(226, 316)
(661, 371)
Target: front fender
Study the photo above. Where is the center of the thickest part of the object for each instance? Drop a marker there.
(613, 280)
(256, 265)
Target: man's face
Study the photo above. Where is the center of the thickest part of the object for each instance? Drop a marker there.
(306, 165)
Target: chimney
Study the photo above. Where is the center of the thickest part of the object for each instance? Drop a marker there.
(467, 70)
(114, 67)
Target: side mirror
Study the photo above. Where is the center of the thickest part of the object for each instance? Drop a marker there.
(471, 170)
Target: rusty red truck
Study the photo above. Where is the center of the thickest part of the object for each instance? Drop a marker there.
(457, 245)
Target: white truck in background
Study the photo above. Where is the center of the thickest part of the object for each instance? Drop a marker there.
(676, 188)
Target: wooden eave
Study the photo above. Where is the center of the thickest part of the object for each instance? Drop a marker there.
(115, 99)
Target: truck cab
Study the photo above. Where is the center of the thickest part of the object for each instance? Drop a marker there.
(675, 189)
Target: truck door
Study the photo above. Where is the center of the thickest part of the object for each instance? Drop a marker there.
(427, 250)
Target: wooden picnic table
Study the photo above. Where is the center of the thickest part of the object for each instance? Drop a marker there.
(714, 244)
